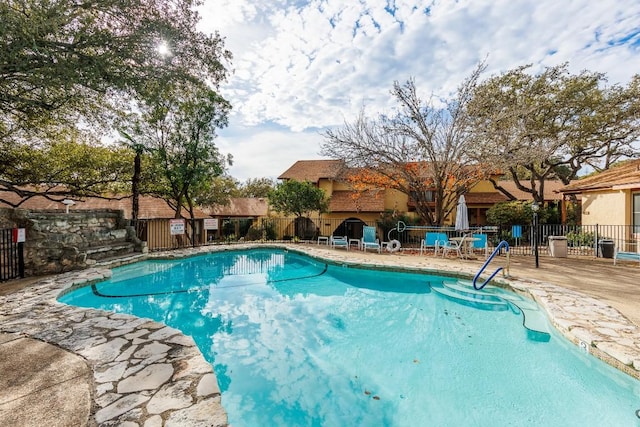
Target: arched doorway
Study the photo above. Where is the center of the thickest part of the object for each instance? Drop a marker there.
(350, 227)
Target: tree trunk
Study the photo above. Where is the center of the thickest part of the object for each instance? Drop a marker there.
(135, 188)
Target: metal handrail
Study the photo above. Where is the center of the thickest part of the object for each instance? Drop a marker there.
(502, 244)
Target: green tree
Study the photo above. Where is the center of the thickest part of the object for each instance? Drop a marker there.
(218, 191)
(551, 125)
(297, 198)
(73, 164)
(178, 129)
(63, 59)
(256, 187)
(71, 65)
(515, 212)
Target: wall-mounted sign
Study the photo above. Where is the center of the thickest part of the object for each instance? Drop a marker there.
(177, 226)
(211, 223)
(19, 235)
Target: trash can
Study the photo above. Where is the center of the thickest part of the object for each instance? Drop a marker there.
(606, 248)
(558, 246)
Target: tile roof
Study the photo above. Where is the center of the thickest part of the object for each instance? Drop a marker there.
(150, 207)
(625, 175)
(240, 207)
(551, 193)
(368, 201)
(551, 190)
(314, 170)
(488, 198)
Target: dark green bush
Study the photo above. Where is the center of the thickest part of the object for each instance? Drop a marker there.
(254, 233)
(517, 212)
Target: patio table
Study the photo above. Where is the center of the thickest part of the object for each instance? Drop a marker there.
(467, 247)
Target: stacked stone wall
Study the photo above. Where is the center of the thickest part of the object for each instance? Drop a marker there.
(57, 241)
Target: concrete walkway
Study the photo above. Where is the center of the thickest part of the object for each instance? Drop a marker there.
(42, 385)
(68, 366)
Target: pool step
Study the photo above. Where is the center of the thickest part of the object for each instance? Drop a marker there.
(467, 289)
(534, 319)
(492, 298)
(469, 297)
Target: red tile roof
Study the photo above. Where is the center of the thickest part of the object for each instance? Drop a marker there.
(150, 207)
(314, 170)
(626, 175)
(348, 201)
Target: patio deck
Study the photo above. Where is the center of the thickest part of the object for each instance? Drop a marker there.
(589, 299)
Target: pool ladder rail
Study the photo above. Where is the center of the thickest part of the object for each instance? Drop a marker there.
(505, 271)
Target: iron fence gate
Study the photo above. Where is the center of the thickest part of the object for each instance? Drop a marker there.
(11, 256)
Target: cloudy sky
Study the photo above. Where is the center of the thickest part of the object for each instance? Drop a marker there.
(302, 66)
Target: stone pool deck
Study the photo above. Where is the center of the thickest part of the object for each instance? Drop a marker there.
(70, 366)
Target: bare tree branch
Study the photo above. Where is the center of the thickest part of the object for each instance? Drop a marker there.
(421, 151)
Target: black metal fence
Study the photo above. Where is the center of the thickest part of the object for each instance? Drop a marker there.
(580, 240)
(11, 256)
(587, 240)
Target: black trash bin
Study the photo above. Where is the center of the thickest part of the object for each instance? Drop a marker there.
(606, 248)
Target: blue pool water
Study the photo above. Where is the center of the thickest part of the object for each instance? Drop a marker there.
(296, 342)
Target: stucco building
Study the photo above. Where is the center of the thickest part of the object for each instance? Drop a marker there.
(367, 206)
(612, 197)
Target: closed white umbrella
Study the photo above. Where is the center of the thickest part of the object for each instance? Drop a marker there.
(462, 215)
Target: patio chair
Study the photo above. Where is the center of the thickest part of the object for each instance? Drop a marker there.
(453, 245)
(339, 242)
(430, 241)
(369, 240)
(479, 243)
(433, 240)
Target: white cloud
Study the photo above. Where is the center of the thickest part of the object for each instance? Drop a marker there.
(266, 151)
(310, 64)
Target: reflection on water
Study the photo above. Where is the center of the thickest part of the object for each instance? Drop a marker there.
(295, 342)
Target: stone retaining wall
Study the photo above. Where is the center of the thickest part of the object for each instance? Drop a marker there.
(58, 241)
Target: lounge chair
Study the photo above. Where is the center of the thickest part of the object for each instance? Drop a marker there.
(369, 240)
(339, 242)
(479, 243)
(625, 256)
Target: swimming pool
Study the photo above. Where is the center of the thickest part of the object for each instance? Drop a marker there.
(296, 342)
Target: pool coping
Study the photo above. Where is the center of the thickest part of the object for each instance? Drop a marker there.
(146, 372)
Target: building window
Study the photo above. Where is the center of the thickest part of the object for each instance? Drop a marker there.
(429, 196)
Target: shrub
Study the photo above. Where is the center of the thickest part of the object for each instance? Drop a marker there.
(516, 212)
(253, 233)
(575, 239)
(269, 227)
